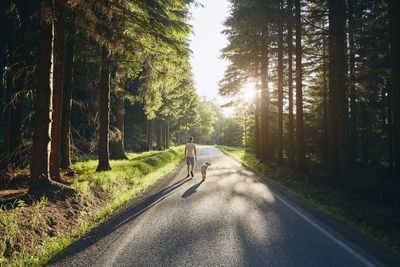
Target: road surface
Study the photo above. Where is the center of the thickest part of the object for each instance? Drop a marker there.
(231, 219)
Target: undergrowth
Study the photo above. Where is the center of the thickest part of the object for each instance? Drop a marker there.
(30, 235)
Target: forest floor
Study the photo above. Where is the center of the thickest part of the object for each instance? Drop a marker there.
(369, 205)
(33, 230)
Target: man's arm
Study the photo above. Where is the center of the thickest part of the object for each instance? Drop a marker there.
(185, 150)
(195, 153)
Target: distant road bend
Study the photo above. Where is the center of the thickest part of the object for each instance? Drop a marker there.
(231, 219)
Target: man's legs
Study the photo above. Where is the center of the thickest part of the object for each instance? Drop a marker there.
(190, 166)
(187, 164)
(190, 161)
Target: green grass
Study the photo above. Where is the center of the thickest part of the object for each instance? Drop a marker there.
(371, 217)
(127, 180)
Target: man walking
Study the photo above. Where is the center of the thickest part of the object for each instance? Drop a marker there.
(191, 155)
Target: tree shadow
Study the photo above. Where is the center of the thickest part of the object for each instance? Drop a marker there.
(116, 222)
(191, 190)
(52, 192)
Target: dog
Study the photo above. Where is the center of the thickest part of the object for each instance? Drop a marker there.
(203, 169)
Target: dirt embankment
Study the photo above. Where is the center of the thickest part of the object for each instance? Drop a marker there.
(27, 221)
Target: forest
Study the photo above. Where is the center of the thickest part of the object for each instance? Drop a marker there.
(97, 82)
(324, 117)
(89, 77)
(326, 80)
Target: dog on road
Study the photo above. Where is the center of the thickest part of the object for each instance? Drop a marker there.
(203, 169)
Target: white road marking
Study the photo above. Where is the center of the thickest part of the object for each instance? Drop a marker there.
(327, 234)
(322, 230)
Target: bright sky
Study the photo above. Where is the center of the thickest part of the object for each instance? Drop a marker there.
(206, 44)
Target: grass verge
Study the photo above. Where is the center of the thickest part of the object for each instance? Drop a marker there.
(364, 208)
(30, 235)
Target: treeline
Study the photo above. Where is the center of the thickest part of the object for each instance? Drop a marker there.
(327, 80)
(83, 77)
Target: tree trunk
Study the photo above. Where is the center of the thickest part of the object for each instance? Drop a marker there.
(166, 135)
(245, 143)
(257, 125)
(66, 149)
(164, 129)
(341, 99)
(187, 133)
(152, 138)
(7, 130)
(290, 86)
(324, 104)
(58, 82)
(352, 86)
(149, 127)
(104, 162)
(150, 135)
(300, 147)
(118, 147)
(394, 18)
(264, 95)
(280, 87)
(332, 122)
(147, 134)
(39, 167)
(160, 136)
(17, 134)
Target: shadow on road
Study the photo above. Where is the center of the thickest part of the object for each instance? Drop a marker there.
(192, 189)
(115, 222)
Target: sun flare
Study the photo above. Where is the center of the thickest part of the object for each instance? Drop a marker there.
(248, 93)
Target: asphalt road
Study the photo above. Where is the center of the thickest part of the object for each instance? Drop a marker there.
(231, 219)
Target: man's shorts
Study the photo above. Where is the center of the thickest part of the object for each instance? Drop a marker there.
(190, 161)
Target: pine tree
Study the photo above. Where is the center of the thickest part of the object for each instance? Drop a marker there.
(40, 172)
(291, 151)
(103, 150)
(280, 85)
(66, 148)
(300, 147)
(339, 10)
(57, 92)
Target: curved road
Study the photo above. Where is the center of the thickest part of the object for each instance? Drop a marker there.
(231, 219)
